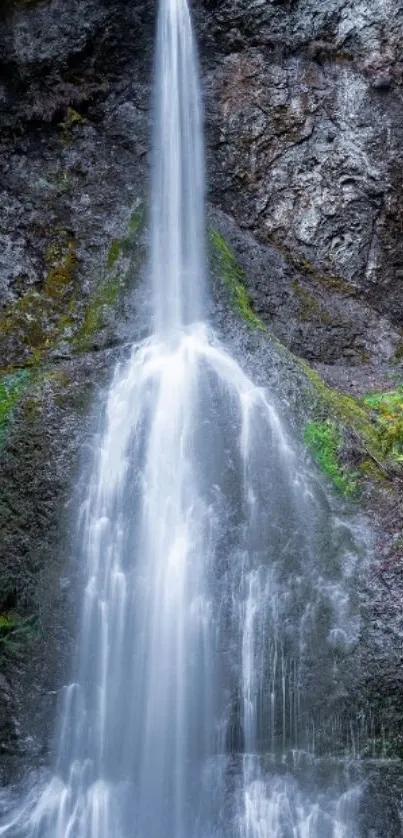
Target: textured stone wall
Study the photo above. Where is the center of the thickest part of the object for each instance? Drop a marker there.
(305, 119)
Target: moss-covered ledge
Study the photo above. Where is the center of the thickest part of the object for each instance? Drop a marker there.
(120, 270)
(12, 388)
(336, 424)
(231, 274)
(44, 386)
(375, 436)
(56, 311)
(43, 413)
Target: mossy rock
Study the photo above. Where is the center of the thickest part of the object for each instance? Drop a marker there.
(233, 278)
(12, 388)
(325, 442)
(387, 412)
(16, 634)
(333, 416)
(374, 424)
(311, 272)
(121, 268)
(62, 260)
(53, 313)
(308, 304)
(36, 321)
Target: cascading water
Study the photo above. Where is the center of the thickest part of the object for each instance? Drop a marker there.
(211, 591)
(177, 223)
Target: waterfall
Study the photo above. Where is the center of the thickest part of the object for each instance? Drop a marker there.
(177, 224)
(212, 589)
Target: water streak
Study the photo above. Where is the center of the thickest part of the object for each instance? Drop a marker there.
(177, 235)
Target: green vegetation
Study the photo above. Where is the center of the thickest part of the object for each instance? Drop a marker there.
(345, 410)
(70, 121)
(104, 295)
(325, 442)
(387, 411)
(334, 415)
(11, 389)
(37, 320)
(234, 278)
(113, 253)
(41, 319)
(15, 634)
(61, 255)
(135, 222)
(375, 422)
(107, 293)
(124, 245)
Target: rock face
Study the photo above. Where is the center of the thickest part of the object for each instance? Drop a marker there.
(304, 108)
(304, 135)
(303, 104)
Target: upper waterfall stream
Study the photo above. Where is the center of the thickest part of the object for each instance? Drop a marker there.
(213, 592)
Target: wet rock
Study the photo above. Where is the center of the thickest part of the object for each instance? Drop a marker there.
(303, 106)
(318, 316)
(48, 438)
(8, 728)
(303, 111)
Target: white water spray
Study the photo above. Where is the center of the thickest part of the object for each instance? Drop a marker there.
(206, 592)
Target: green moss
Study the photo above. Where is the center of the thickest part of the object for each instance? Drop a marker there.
(61, 274)
(376, 422)
(398, 356)
(234, 279)
(23, 319)
(135, 221)
(105, 295)
(36, 321)
(308, 305)
(74, 118)
(12, 388)
(324, 440)
(325, 404)
(70, 121)
(344, 409)
(7, 623)
(113, 253)
(125, 245)
(15, 635)
(387, 411)
(39, 320)
(370, 470)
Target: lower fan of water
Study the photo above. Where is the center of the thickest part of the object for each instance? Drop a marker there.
(212, 586)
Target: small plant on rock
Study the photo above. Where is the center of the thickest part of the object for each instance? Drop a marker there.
(388, 415)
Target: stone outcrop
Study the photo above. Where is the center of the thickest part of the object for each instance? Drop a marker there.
(304, 104)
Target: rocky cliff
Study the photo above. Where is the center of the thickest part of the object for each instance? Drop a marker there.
(303, 103)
